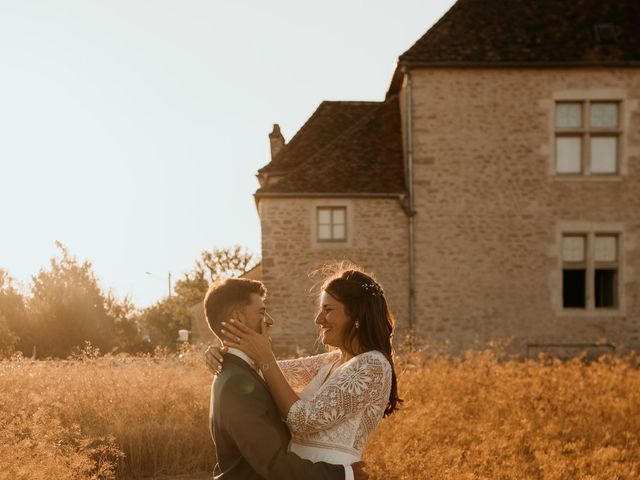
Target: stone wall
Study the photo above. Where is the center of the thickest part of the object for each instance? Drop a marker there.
(376, 240)
(491, 210)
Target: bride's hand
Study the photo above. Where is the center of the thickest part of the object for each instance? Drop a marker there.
(213, 357)
(257, 345)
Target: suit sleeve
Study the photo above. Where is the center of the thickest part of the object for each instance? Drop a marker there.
(247, 422)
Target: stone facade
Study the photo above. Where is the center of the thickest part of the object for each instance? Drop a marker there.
(376, 240)
(466, 141)
(491, 210)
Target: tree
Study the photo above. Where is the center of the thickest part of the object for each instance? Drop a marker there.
(68, 308)
(127, 331)
(15, 329)
(8, 339)
(211, 266)
(166, 317)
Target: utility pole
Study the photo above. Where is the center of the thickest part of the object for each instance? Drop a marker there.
(168, 278)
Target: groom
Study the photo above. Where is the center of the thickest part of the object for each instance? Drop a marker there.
(250, 437)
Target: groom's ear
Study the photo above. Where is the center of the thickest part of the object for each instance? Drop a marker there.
(236, 314)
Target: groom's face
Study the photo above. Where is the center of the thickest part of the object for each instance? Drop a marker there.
(254, 314)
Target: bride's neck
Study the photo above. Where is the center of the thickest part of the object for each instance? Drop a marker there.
(345, 356)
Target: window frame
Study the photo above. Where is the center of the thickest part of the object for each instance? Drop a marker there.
(332, 209)
(585, 132)
(576, 265)
(590, 265)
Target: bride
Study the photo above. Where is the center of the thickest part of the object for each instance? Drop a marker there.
(331, 402)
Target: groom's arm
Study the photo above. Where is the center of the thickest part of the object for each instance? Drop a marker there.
(246, 421)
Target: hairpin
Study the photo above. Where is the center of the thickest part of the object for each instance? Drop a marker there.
(373, 287)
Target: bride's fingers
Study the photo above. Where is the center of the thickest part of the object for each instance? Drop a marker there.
(234, 330)
(231, 340)
(240, 326)
(229, 336)
(214, 354)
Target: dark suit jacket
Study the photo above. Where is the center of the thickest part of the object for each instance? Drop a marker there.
(250, 437)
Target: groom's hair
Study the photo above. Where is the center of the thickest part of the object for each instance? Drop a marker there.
(226, 295)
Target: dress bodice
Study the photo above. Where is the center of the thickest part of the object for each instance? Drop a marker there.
(337, 411)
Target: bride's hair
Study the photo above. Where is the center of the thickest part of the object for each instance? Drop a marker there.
(371, 323)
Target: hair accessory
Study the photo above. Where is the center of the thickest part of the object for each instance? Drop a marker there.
(372, 288)
(357, 324)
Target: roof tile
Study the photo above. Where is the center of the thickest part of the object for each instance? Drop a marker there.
(365, 158)
(530, 31)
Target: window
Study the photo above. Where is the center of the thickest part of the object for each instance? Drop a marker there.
(332, 226)
(587, 137)
(590, 264)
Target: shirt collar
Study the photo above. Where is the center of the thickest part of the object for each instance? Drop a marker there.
(240, 354)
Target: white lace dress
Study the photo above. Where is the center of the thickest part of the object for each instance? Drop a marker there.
(338, 410)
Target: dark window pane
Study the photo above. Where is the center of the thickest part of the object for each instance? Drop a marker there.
(605, 288)
(573, 288)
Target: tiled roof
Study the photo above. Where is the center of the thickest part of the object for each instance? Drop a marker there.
(365, 158)
(531, 31)
(328, 122)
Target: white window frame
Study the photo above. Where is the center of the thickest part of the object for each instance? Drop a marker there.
(585, 133)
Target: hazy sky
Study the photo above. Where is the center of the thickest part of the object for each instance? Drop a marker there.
(132, 130)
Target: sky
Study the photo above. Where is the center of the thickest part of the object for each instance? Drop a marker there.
(131, 130)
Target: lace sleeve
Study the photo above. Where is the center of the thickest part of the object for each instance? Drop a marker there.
(364, 382)
(300, 371)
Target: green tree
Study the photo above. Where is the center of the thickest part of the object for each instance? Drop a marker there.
(163, 319)
(68, 308)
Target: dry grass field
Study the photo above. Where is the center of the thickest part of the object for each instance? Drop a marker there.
(481, 416)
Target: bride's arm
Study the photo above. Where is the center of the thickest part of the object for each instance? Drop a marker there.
(363, 383)
(300, 371)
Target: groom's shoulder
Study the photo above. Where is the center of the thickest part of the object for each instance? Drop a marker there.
(235, 380)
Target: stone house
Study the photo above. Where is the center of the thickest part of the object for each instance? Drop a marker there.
(495, 192)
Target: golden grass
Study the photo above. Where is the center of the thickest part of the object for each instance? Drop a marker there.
(480, 418)
(95, 418)
(473, 417)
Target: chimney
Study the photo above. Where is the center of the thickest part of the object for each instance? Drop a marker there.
(277, 140)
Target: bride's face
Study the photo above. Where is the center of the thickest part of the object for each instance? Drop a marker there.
(333, 320)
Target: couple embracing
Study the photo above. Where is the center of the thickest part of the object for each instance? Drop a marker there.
(306, 418)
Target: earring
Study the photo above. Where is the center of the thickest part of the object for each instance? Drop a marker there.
(357, 324)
